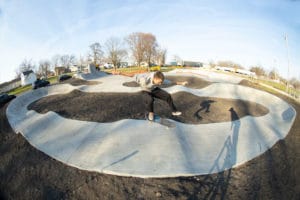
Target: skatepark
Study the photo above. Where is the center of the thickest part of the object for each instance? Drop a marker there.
(45, 166)
(139, 148)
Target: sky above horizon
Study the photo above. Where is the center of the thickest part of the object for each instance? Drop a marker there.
(249, 32)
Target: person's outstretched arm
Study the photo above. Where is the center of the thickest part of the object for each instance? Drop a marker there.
(182, 83)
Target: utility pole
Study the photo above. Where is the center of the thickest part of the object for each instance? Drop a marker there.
(275, 70)
(288, 57)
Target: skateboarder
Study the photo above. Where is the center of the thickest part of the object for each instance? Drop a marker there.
(149, 83)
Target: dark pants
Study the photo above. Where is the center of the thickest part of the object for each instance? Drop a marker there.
(160, 94)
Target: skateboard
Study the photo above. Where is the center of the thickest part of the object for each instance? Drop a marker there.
(161, 120)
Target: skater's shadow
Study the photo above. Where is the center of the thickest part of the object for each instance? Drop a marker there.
(235, 128)
(204, 105)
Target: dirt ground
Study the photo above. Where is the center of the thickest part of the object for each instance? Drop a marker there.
(27, 173)
(110, 107)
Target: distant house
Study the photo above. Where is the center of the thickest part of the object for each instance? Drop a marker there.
(123, 64)
(27, 77)
(225, 69)
(108, 66)
(245, 72)
(236, 70)
(146, 64)
(74, 68)
(186, 63)
(60, 70)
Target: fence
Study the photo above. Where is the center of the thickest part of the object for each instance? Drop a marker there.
(5, 87)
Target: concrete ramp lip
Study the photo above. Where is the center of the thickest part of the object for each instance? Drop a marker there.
(141, 149)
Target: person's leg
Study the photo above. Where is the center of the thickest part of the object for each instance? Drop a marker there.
(147, 96)
(165, 96)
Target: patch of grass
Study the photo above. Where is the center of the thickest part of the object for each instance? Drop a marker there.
(272, 90)
(279, 86)
(20, 90)
(52, 79)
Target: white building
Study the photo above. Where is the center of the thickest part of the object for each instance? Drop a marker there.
(27, 77)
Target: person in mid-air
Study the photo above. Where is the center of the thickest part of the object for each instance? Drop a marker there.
(149, 83)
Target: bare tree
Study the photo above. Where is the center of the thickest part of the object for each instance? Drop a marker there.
(44, 67)
(135, 43)
(72, 60)
(96, 54)
(26, 65)
(295, 83)
(55, 60)
(67, 60)
(273, 74)
(150, 47)
(64, 60)
(143, 47)
(228, 63)
(212, 63)
(115, 51)
(258, 70)
(161, 55)
(81, 62)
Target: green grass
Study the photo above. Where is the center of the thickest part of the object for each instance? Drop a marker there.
(280, 86)
(21, 89)
(52, 79)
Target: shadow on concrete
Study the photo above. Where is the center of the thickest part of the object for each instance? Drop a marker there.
(288, 114)
(218, 185)
(213, 186)
(121, 159)
(204, 105)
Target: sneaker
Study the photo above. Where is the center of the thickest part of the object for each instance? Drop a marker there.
(151, 116)
(176, 113)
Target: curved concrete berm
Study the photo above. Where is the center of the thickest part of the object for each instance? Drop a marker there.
(143, 149)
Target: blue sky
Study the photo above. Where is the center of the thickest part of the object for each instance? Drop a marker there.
(249, 32)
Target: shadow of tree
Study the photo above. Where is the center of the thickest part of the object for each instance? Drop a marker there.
(215, 186)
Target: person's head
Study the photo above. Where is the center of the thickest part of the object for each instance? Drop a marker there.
(158, 78)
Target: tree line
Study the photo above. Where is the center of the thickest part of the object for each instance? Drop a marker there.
(141, 47)
(259, 71)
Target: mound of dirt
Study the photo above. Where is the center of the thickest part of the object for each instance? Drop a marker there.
(109, 107)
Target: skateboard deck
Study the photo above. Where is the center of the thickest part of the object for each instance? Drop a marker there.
(163, 121)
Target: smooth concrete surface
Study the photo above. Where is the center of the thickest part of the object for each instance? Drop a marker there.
(143, 149)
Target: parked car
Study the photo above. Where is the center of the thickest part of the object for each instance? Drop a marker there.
(64, 77)
(40, 83)
(4, 98)
(108, 66)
